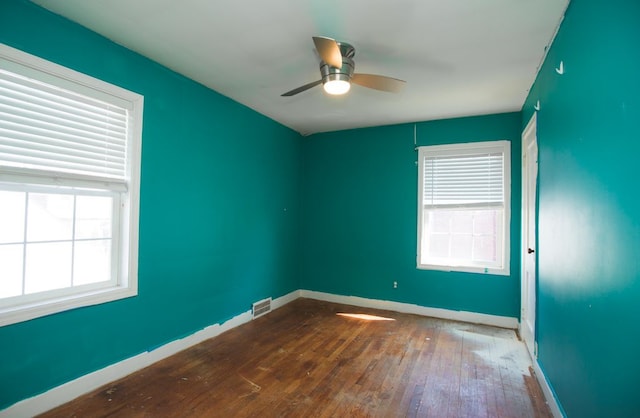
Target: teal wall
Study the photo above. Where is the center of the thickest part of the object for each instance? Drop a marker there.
(589, 207)
(360, 216)
(214, 233)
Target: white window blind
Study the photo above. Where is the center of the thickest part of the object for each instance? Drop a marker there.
(46, 127)
(461, 180)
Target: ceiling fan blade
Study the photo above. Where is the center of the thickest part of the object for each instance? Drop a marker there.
(378, 82)
(301, 88)
(328, 50)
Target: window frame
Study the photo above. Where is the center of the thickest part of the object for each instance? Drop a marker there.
(458, 149)
(124, 281)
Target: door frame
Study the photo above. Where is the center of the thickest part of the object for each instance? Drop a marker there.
(529, 254)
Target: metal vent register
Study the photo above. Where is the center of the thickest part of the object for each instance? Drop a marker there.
(261, 307)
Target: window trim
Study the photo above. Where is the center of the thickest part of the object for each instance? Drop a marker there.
(457, 149)
(126, 284)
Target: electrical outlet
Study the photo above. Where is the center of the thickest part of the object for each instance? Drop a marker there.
(395, 285)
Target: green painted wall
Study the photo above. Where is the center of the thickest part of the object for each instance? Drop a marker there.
(360, 216)
(589, 233)
(214, 233)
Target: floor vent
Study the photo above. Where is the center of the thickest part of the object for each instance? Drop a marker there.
(261, 307)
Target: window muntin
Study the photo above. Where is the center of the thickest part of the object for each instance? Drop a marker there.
(463, 210)
(69, 187)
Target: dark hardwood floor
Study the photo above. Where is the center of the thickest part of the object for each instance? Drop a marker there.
(308, 359)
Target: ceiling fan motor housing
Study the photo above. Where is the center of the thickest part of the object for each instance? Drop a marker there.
(330, 73)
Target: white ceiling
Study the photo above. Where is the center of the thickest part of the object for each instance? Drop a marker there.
(458, 57)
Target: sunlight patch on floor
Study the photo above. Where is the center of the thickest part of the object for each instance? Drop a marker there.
(366, 317)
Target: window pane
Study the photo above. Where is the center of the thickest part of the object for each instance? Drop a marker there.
(11, 273)
(485, 248)
(93, 217)
(485, 221)
(12, 217)
(92, 262)
(48, 266)
(438, 245)
(439, 221)
(461, 246)
(50, 217)
(462, 221)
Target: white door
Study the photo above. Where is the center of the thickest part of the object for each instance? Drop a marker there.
(528, 281)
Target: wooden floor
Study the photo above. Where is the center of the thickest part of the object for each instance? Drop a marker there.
(307, 359)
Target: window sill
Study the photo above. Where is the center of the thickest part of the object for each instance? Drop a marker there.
(16, 314)
(464, 269)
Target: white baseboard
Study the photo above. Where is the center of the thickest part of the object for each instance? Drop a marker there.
(283, 300)
(554, 406)
(471, 317)
(89, 382)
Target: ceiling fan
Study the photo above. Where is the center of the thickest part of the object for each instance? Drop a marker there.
(336, 70)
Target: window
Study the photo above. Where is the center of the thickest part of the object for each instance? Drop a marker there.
(463, 213)
(69, 186)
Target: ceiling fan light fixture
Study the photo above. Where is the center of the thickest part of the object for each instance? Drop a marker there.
(336, 87)
(337, 74)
